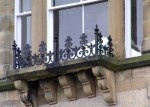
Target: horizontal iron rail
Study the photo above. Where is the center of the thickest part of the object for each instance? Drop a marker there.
(24, 58)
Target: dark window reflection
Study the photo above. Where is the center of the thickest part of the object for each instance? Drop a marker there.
(137, 24)
(26, 30)
(25, 5)
(73, 21)
(62, 2)
(96, 14)
(68, 22)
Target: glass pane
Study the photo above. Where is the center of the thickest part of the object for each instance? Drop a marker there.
(96, 14)
(25, 5)
(62, 2)
(26, 30)
(137, 24)
(68, 23)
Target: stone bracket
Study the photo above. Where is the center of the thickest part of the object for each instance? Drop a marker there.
(50, 90)
(69, 86)
(88, 83)
(23, 88)
(106, 83)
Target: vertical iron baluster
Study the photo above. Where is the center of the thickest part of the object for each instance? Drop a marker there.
(56, 47)
(25, 59)
(110, 46)
(96, 39)
(105, 50)
(19, 60)
(14, 54)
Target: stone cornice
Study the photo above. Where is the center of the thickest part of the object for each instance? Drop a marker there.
(66, 67)
(6, 85)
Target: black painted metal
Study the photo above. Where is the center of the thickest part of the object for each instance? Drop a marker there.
(24, 58)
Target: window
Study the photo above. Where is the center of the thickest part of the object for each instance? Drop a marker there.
(23, 22)
(74, 17)
(133, 27)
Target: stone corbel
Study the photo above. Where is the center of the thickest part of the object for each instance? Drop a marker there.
(25, 96)
(106, 83)
(50, 90)
(88, 83)
(69, 85)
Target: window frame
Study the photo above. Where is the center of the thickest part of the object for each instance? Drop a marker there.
(128, 31)
(50, 18)
(18, 24)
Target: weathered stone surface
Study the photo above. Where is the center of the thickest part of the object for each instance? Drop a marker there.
(23, 89)
(69, 85)
(10, 103)
(6, 34)
(135, 98)
(39, 22)
(6, 40)
(148, 89)
(117, 26)
(12, 95)
(106, 82)
(132, 84)
(124, 75)
(88, 83)
(146, 25)
(141, 72)
(6, 7)
(49, 87)
(6, 23)
(5, 56)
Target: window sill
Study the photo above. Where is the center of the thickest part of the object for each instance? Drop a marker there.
(72, 66)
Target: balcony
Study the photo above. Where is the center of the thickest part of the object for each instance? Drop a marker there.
(24, 58)
(91, 64)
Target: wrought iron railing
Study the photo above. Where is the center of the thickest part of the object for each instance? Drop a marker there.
(24, 58)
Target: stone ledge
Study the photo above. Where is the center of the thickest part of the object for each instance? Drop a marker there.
(66, 67)
(6, 85)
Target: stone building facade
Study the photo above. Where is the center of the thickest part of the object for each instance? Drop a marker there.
(98, 81)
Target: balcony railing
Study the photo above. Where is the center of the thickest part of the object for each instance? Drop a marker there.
(24, 58)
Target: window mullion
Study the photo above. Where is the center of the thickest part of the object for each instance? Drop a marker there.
(128, 28)
(82, 18)
(24, 14)
(50, 24)
(73, 4)
(17, 23)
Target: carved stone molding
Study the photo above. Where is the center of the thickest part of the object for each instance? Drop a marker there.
(50, 90)
(88, 83)
(25, 97)
(106, 82)
(69, 85)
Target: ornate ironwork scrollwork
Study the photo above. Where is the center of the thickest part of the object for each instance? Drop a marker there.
(23, 59)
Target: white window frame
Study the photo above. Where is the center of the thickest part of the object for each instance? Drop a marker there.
(50, 22)
(128, 41)
(18, 24)
(128, 28)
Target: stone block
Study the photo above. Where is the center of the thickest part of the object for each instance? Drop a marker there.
(7, 6)
(5, 56)
(3, 96)
(124, 75)
(6, 23)
(134, 98)
(6, 39)
(12, 103)
(141, 72)
(13, 95)
(132, 84)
